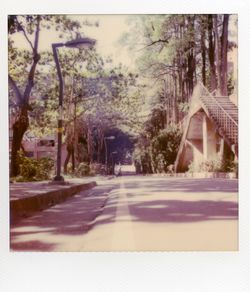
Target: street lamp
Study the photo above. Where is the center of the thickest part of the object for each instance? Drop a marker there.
(106, 150)
(77, 43)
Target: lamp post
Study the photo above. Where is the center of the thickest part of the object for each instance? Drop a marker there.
(77, 43)
(106, 150)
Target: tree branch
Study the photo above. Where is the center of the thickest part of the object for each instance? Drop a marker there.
(16, 90)
(25, 35)
(37, 34)
(36, 58)
(155, 42)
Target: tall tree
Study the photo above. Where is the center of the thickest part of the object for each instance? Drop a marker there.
(224, 49)
(21, 87)
(211, 53)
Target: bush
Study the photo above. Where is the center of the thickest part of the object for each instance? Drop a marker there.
(28, 167)
(34, 170)
(44, 168)
(69, 169)
(97, 168)
(160, 163)
(214, 165)
(192, 167)
(165, 147)
(211, 165)
(83, 169)
(142, 160)
(229, 165)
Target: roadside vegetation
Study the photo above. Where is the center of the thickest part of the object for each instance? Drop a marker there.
(141, 108)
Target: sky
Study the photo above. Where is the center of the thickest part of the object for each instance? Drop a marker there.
(107, 35)
(110, 29)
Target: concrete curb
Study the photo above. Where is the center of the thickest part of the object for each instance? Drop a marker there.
(225, 175)
(26, 206)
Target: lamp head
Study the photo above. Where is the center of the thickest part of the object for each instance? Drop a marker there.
(80, 43)
(110, 138)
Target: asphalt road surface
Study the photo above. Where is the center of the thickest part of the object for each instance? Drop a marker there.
(138, 213)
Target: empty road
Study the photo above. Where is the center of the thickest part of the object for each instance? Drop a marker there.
(138, 213)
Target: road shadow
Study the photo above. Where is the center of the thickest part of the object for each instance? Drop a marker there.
(175, 210)
(76, 216)
(73, 217)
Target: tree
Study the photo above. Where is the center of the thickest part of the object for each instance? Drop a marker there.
(224, 49)
(176, 51)
(21, 124)
(21, 86)
(96, 100)
(165, 147)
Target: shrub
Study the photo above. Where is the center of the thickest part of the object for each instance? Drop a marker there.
(28, 167)
(142, 159)
(211, 165)
(165, 147)
(214, 165)
(192, 167)
(44, 169)
(69, 169)
(97, 168)
(229, 165)
(34, 170)
(160, 163)
(83, 169)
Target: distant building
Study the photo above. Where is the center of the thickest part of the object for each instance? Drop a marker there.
(39, 148)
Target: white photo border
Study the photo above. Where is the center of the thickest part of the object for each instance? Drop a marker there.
(108, 271)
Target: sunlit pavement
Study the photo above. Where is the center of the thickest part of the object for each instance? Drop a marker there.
(138, 213)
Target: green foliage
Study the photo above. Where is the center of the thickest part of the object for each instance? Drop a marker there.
(157, 153)
(83, 169)
(160, 164)
(165, 147)
(211, 165)
(229, 165)
(97, 169)
(44, 169)
(69, 169)
(183, 107)
(34, 170)
(214, 165)
(230, 84)
(142, 159)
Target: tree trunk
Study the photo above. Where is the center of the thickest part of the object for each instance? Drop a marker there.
(100, 144)
(191, 58)
(203, 55)
(19, 128)
(22, 123)
(217, 52)
(211, 53)
(90, 145)
(224, 45)
(70, 149)
(190, 73)
(73, 159)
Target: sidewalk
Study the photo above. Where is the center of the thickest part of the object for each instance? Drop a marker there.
(30, 197)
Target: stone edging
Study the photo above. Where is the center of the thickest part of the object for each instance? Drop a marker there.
(25, 207)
